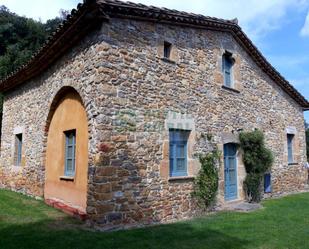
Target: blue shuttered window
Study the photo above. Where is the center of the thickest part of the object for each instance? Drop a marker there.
(290, 138)
(178, 152)
(18, 149)
(227, 64)
(267, 183)
(70, 146)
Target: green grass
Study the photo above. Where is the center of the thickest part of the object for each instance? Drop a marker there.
(283, 223)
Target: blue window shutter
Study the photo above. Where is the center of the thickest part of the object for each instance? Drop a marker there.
(18, 149)
(19, 152)
(178, 152)
(227, 69)
(70, 147)
(290, 138)
(267, 183)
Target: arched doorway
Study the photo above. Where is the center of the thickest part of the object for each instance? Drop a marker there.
(230, 171)
(67, 152)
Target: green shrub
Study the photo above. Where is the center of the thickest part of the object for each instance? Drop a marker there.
(206, 183)
(253, 187)
(257, 160)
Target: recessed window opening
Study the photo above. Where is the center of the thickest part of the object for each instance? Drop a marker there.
(167, 49)
(70, 147)
(290, 140)
(227, 66)
(18, 149)
(178, 152)
(267, 183)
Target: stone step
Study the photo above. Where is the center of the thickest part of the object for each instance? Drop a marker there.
(242, 206)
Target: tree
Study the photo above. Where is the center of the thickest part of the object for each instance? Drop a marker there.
(20, 37)
(257, 160)
(52, 24)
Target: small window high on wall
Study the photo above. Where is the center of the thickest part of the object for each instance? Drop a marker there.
(18, 149)
(70, 147)
(227, 66)
(167, 50)
(178, 152)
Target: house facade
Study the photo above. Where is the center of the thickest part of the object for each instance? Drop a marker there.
(108, 118)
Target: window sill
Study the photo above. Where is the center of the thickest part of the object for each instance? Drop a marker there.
(67, 178)
(230, 89)
(168, 60)
(292, 163)
(180, 178)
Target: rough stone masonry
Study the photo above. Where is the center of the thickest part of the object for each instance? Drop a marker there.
(130, 94)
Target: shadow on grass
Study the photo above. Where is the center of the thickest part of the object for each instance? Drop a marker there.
(175, 236)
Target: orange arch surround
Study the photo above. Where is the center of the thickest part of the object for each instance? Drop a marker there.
(68, 113)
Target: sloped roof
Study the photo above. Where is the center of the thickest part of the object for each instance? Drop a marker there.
(92, 12)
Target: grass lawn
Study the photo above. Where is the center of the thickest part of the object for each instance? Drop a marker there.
(283, 223)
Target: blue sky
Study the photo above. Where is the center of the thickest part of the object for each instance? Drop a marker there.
(279, 28)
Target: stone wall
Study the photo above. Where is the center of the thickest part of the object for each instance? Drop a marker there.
(128, 91)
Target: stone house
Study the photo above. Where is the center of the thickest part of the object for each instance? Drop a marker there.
(107, 119)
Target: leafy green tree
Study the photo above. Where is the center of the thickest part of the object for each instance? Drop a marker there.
(20, 37)
(257, 160)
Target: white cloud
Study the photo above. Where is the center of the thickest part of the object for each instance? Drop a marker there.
(305, 30)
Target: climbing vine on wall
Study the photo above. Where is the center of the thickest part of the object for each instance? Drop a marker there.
(257, 160)
(206, 183)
